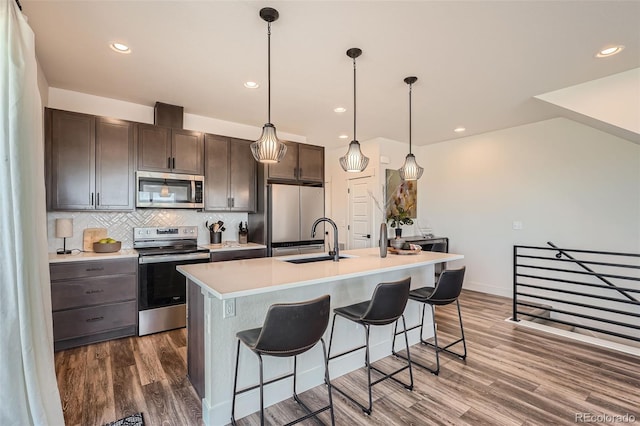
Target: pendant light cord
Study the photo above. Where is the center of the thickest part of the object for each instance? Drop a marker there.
(354, 100)
(269, 72)
(410, 89)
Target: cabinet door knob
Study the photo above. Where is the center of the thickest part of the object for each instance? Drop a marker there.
(174, 163)
(97, 199)
(92, 198)
(168, 162)
(95, 319)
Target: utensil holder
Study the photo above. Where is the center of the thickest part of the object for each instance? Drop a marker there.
(242, 237)
(215, 237)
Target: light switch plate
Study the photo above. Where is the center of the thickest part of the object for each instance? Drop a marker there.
(517, 225)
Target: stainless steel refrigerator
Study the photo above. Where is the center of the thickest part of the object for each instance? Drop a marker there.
(284, 224)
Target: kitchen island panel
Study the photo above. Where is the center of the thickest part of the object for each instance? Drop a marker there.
(254, 285)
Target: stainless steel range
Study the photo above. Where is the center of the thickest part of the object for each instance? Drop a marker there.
(161, 289)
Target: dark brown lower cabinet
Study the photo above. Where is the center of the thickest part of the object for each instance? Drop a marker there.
(195, 319)
(93, 301)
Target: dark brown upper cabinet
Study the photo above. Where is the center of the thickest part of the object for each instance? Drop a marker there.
(91, 162)
(230, 175)
(161, 149)
(302, 164)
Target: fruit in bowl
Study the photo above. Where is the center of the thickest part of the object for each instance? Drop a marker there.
(107, 245)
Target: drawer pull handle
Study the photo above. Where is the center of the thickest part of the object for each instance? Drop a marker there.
(95, 319)
(94, 291)
(95, 269)
(176, 297)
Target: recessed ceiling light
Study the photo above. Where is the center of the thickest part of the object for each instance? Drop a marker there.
(339, 109)
(459, 129)
(343, 136)
(251, 85)
(120, 48)
(609, 51)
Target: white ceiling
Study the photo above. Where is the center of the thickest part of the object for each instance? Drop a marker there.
(478, 63)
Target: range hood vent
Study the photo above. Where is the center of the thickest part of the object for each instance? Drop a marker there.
(168, 115)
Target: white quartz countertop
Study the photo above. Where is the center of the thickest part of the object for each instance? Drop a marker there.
(234, 246)
(80, 256)
(237, 278)
(89, 255)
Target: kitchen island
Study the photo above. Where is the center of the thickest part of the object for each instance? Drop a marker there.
(237, 295)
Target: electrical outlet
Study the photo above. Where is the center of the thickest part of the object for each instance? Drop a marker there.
(229, 308)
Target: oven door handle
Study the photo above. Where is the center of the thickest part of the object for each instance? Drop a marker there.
(172, 258)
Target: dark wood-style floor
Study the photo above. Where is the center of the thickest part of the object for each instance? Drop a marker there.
(511, 377)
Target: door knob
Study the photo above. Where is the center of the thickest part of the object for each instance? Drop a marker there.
(368, 235)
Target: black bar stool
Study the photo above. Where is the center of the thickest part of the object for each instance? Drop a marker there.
(385, 307)
(440, 247)
(446, 291)
(289, 329)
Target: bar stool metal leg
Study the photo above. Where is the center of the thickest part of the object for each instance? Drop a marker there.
(326, 379)
(369, 367)
(235, 387)
(446, 349)
(434, 345)
(261, 391)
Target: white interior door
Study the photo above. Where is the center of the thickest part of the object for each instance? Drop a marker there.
(360, 213)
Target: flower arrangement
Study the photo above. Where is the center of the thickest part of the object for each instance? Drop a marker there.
(399, 217)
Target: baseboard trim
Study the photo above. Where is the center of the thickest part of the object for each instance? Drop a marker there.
(619, 347)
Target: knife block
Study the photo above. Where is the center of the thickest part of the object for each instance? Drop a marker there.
(242, 237)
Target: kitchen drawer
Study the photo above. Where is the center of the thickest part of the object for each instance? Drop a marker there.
(78, 269)
(86, 321)
(222, 256)
(92, 291)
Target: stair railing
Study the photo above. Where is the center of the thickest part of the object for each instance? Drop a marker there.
(575, 294)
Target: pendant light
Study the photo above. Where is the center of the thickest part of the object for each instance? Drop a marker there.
(268, 149)
(354, 161)
(410, 170)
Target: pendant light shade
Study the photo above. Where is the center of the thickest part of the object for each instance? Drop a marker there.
(354, 161)
(410, 170)
(268, 149)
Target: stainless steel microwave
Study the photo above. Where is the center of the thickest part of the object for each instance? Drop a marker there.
(169, 190)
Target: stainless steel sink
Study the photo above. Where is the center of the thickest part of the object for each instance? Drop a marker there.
(313, 259)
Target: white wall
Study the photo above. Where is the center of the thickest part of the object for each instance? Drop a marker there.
(567, 183)
(43, 86)
(97, 105)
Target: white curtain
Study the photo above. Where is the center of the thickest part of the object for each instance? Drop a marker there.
(28, 390)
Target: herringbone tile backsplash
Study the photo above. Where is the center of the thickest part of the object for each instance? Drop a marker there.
(120, 225)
